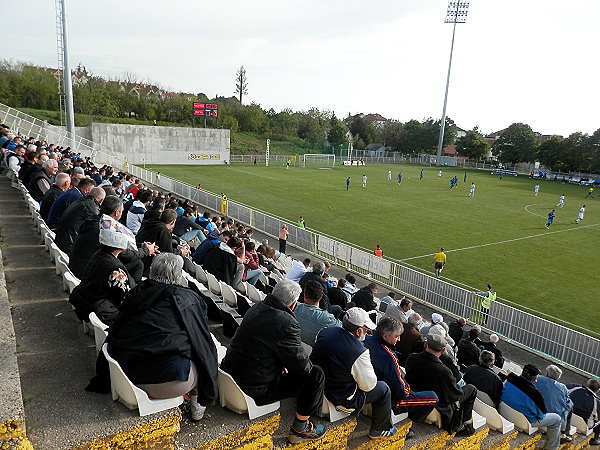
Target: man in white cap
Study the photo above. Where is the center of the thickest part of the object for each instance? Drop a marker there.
(350, 379)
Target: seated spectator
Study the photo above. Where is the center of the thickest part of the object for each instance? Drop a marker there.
(224, 264)
(456, 330)
(76, 214)
(310, 317)
(268, 362)
(385, 361)
(484, 378)
(177, 354)
(492, 347)
(135, 215)
(61, 184)
(266, 256)
(387, 300)
(60, 205)
(521, 395)
(586, 404)
(440, 327)
(14, 159)
(350, 287)
(42, 179)
(212, 241)
(251, 263)
(187, 229)
(468, 351)
(153, 213)
(556, 398)
(350, 380)
(87, 242)
(425, 371)
(411, 340)
(298, 269)
(337, 296)
(105, 280)
(204, 219)
(365, 297)
(318, 268)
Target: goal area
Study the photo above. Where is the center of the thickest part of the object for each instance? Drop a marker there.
(318, 160)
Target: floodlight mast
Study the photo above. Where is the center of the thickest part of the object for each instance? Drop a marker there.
(61, 11)
(456, 13)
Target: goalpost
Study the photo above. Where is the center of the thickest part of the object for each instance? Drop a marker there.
(318, 160)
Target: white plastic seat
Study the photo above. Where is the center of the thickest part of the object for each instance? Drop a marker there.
(54, 251)
(263, 279)
(241, 288)
(61, 266)
(100, 332)
(254, 294)
(229, 295)
(580, 425)
(435, 418)
(493, 418)
(330, 410)
(221, 349)
(514, 416)
(477, 420)
(70, 281)
(233, 398)
(48, 240)
(201, 274)
(132, 396)
(213, 284)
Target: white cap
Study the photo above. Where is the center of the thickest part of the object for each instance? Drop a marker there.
(360, 318)
(436, 318)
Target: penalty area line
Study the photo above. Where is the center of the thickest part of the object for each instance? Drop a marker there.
(504, 242)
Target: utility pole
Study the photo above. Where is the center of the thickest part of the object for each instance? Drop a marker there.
(65, 82)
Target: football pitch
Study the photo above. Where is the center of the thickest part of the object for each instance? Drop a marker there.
(498, 236)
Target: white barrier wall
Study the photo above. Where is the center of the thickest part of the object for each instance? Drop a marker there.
(163, 145)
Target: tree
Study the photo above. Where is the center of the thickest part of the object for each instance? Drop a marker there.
(516, 144)
(241, 83)
(363, 129)
(472, 145)
(552, 153)
(337, 133)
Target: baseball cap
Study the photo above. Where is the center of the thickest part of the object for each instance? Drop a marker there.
(360, 318)
(436, 318)
(436, 342)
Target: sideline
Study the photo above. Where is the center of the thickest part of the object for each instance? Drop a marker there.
(504, 242)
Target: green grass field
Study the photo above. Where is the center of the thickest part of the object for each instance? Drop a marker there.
(498, 236)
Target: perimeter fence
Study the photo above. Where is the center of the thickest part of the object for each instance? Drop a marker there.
(534, 331)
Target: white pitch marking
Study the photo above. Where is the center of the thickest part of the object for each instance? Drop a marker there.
(504, 242)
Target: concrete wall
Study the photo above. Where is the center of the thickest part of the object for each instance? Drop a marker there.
(163, 145)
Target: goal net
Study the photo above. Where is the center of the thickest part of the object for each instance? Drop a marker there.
(318, 160)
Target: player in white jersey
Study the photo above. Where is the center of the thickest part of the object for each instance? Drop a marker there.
(472, 190)
(580, 214)
(364, 181)
(389, 175)
(561, 201)
(536, 189)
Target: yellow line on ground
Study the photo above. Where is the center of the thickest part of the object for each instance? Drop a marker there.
(335, 439)
(256, 436)
(394, 442)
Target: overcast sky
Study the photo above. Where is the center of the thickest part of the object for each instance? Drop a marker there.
(531, 61)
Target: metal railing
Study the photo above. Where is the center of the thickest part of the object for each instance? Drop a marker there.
(565, 345)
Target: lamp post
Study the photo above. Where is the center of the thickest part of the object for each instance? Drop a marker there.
(456, 13)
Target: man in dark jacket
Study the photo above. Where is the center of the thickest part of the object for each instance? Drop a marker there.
(75, 215)
(177, 347)
(60, 205)
(317, 275)
(468, 352)
(425, 371)
(87, 242)
(456, 329)
(42, 179)
(586, 404)
(212, 241)
(492, 347)
(61, 184)
(268, 362)
(223, 263)
(381, 344)
(484, 378)
(365, 297)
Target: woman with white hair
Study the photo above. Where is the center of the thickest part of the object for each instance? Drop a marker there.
(161, 338)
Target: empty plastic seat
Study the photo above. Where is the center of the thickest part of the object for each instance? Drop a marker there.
(435, 418)
(213, 284)
(233, 398)
(514, 416)
(61, 266)
(229, 295)
(200, 274)
(221, 349)
(70, 281)
(493, 418)
(580, 425)
(231, 319)
(130, 395)
(254, 294)
(100, 332)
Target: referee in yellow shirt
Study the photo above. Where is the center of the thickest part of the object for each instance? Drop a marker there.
(439, 261)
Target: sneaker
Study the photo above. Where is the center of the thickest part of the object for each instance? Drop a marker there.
(381, 434)
(566, 438)
(311, 432)
(410, 434)
(197, 411)
(595, 441)
(466, 430)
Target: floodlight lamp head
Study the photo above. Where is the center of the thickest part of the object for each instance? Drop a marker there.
(457, 12)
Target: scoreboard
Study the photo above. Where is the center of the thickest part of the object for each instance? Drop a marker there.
(206, 109)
